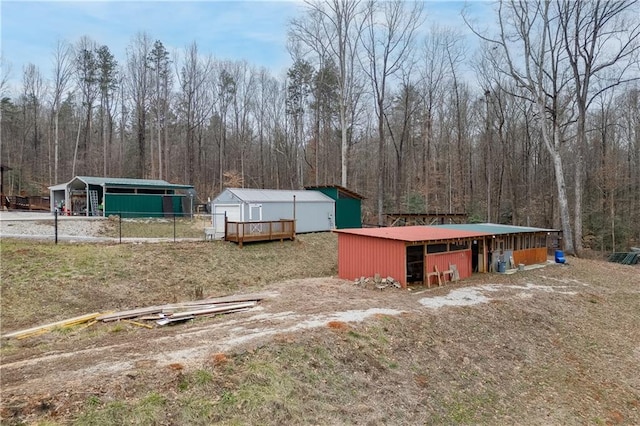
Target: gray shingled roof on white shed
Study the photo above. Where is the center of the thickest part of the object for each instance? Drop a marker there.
(251, 195)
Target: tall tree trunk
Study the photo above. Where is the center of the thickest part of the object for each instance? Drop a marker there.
(56, 146)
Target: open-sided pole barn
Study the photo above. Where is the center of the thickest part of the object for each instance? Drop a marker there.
(98, 196)
(508, 243)
(411, 254)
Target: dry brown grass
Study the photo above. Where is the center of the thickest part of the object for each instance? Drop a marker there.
(43, 282)
(559, 345)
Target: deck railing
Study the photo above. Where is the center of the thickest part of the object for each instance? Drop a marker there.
(18, 202)
(267, 230)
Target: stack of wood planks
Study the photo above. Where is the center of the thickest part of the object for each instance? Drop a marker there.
(159, 315)
(36, 331)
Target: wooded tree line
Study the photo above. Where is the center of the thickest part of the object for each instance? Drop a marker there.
(545, 131)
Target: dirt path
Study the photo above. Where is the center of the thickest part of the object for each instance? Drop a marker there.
(82, 363)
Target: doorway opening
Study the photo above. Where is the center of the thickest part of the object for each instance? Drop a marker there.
(415, 264)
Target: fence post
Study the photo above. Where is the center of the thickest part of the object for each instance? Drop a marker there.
(55, 223)
(120, 226)
(174, 228)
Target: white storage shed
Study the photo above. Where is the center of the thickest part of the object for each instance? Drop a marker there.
(314, 211)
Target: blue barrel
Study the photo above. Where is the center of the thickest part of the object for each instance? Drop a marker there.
(560, 256)
(502, 266)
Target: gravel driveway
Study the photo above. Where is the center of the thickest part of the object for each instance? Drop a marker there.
(41, 225)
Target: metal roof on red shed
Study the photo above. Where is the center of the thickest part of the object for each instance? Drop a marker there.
(414, 234)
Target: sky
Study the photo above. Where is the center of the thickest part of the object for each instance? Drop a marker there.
(255, 31)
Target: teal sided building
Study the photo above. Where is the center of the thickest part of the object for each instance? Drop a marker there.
(104, 196)
(348, 205)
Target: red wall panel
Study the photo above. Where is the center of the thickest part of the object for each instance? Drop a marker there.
(366, 256)
(462, 259)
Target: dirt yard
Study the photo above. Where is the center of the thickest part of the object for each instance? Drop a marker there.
(556, 345)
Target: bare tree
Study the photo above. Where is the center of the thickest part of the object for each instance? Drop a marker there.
(400, 123)
(242, 106)
(391, 29)
(62, 73)
(33, 91)
(600, 38)
(161, 78)
(195, 105)
(529, 50)
(5, 73)
(435, 73)
(299, 88)
(139, 82)
(87, 81)
(108, 84)
(335, 27)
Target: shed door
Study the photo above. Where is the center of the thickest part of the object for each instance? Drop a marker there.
(255, 212)
(219, 210)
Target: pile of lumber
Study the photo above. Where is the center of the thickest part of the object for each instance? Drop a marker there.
(36, 331)
(151, 316)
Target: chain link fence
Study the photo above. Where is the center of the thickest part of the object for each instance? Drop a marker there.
(115, 228)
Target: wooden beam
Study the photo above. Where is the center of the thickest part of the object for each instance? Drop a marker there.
(48, 327)
(218, 309)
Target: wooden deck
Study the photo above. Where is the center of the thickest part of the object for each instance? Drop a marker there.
(268, 230)
(16, 202)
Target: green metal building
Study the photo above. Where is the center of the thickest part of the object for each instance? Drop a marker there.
(348, 205)
(103, 196)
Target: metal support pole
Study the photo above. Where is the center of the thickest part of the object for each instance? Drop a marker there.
(120, 223)
(174, 228)
(55, 223)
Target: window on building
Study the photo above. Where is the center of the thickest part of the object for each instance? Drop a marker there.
(459, 245)
(436, 248)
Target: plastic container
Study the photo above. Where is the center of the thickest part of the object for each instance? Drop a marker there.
(560, 256)
(502, 266)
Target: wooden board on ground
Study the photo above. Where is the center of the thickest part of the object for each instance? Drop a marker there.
(151, 310)
(48, 327)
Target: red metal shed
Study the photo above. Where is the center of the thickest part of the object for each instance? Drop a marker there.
(405, 253)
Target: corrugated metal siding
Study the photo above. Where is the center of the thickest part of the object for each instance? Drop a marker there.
(462, 259)
(328, 191)
(310, 217)
(365, 256)
(138, 205)
(530, 256)
(348, 213)
(348, 210)
(315, 215)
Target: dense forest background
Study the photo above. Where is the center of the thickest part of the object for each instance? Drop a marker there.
(544, 131)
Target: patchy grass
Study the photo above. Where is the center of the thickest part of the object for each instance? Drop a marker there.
(157, 227)
(43, 282)
(564, 354)
(491, 364)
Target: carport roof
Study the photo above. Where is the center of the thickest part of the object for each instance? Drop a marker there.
(414, 234)
(125, 182)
